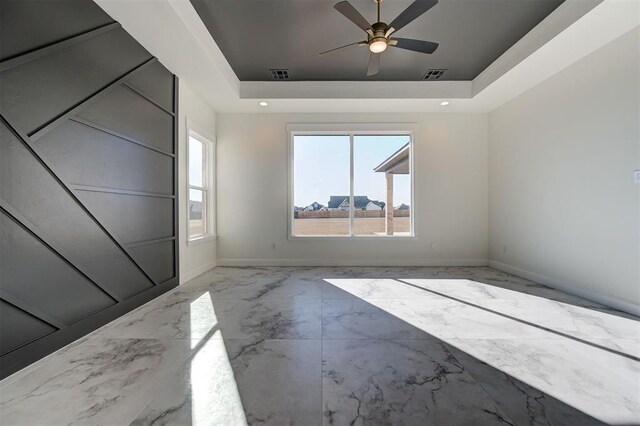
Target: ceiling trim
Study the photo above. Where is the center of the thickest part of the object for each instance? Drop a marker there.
(559, 20)
(355, 89)
(192, 21)
(173, 31)
(606, 22)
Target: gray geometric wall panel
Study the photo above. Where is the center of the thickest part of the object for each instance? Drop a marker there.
(122, 110)
(88, 175)
(19, 328)
(34, 274)
(55, 21)
(131, 218)
(47, 209)
(156, 259)
(155, 84)
(100, 158)
(30, 98)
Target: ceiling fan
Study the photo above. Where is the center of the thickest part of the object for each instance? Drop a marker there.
(379, 34)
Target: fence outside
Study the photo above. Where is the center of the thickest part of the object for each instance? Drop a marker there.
(329, 214)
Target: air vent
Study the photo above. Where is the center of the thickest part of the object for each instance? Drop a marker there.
(433, 75)
(280, 74)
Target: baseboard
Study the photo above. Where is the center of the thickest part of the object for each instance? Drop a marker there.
(189, 275)
(352, 262)
(619, 303)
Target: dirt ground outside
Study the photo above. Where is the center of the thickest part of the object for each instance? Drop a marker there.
(340, 226)
(196, 227)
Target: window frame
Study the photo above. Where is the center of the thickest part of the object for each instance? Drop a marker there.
(350, 130)
(209, 188)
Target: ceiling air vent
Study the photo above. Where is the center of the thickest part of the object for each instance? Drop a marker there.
(280, 74)
(433, 75)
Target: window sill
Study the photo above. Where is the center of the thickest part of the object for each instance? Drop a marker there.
(201, 240)
(349, 237)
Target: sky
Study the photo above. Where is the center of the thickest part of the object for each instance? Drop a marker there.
(321, 168)
(196, 154)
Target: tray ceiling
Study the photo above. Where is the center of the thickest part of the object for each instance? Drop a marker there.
(257, 36)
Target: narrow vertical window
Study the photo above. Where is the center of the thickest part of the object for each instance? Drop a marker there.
(198, 191)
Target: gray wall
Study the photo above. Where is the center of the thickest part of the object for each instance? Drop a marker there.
(88, 175)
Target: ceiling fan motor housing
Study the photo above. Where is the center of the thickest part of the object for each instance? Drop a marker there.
(378, 29)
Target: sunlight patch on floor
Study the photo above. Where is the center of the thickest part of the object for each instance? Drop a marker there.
(566, 351)
(214, 394)
(201, 313)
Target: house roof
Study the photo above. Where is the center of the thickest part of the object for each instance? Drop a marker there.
(314, 206)
(360, 201)
(397, 163)
(380, 204)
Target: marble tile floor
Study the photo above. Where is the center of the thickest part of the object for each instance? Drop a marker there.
(344, 346)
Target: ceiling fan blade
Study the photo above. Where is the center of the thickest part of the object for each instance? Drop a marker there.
(352, 14)
(357, 43)
(415, 45)
(412, 12)
(374, 64)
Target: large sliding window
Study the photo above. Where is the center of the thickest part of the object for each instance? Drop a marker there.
(350, 183)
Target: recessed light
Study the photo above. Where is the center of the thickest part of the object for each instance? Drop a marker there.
(445, 103)
(263, 103)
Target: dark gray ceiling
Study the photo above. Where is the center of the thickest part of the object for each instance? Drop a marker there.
(258, 35)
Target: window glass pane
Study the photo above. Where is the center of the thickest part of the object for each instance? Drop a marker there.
(382, 185)
(196, 162)
(321, 185)
(197, 213)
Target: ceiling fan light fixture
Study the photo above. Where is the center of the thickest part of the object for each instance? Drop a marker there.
(378, 46)
(379, 32)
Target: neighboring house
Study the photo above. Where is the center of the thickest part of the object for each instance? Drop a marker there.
(314, 207)
(335, 201)
(341, 202)
(403, 206)
(195, 210)
(344, 205)
(375, 205)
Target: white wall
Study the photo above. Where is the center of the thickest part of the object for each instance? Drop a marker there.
(194, 258)
(563, 206)
(451, 200)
